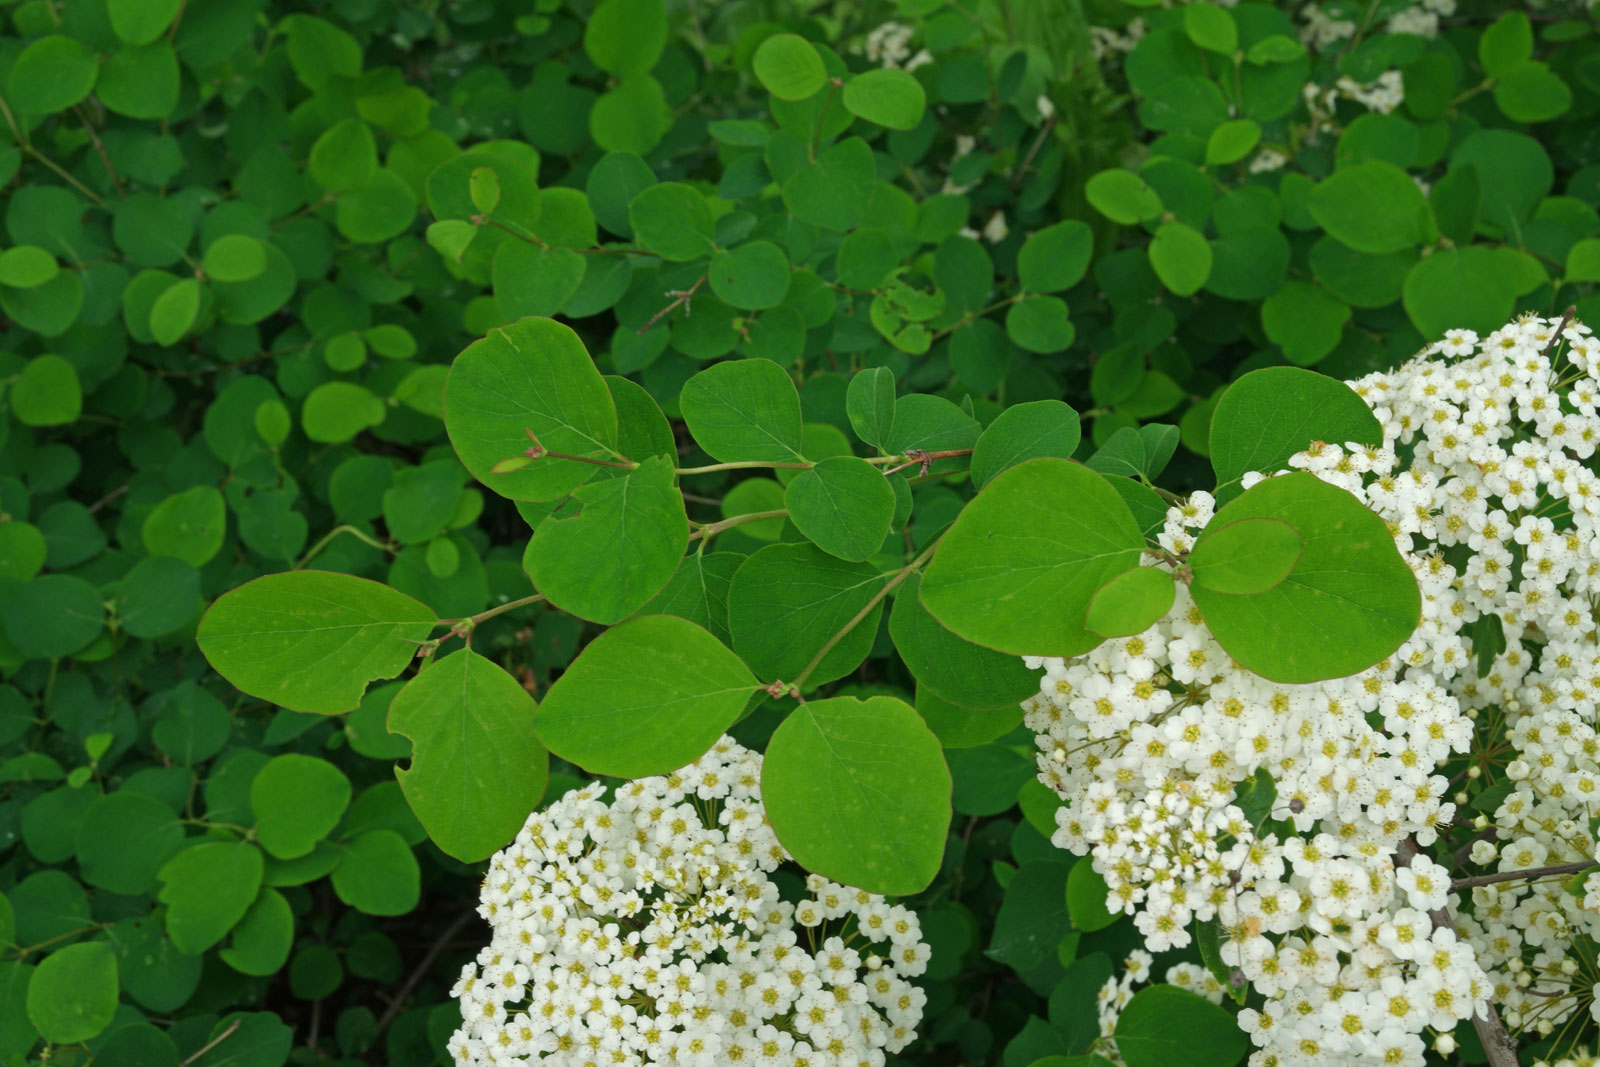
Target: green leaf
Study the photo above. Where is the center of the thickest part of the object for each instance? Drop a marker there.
(1017, 570)
(141, 82)
(674, 221)
(1304, 320)
(1056, 257)
(175, 310)
(334, 412)
(1040, 324)
(836, 191)
(887, 96)
(788, 600)
(262, 939)
(1181, 256)
(27, 266)
(626, 37)
(345, 157)
(529, 280)
(46, 393)
(51, 74)
(789, 67)
(631, 117)
(312, 640)
(234, 257)
(124, 840)
(1270, 414)
(635, 522)
(1583, 261)
(1506, 44)
(1372, 207)
(1349, 602)
(1123, 197)
(22, 550)
(1131, 603)
(141, 21)
(189, 525)
(72, 995)
(378, 874)
(1463, 288)
(844, 505)
(1531, 92)
(698, 591)
(954, 669)
(1086, 898)
(753, 276)
(869, 404)
(598, 716)
(298, 800)
(1232, 141)
(1165, 1025)
(477, 768)
(53, 615)
(858, 791)
(744, 409)
(1246, 557)
(1033, 916)
(1211, 27)
(1023, 432)
(207, 888)
(532, 375)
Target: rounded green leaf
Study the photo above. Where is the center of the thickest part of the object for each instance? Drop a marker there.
(262, 939)
(844, 505)
(635, 521)
(1181, 257)
(124, 840)
(1018, 568)
(1040, 324)
(753, 276)
(140, 81)
(869, 404)
(789, 67)
(1506, 44)
(954, 669)
(529, 280)
(484, 189)
(378, 874)
(1304, 320)
(72, 994)
(175, 310)
(1211, 27)
(345, 157)
(1464, 288)
(312, 640)
(234, 257)
(46, 393)
(626, 37)
(1270, 414)
(631, 117)
(745, 409)
(1232, 141)
(26, 266)
(1165, 1025)
(858, 791)
(1131, 603)
(1245, 557)
(22, 550)
(1086, 898)
(1372, 207)
(1349, 602)
(1531, 92)
(887, 96)
(673, 220)
(382, 209)
(1055, 257)
(53, 615)
(1023, 432)
(334, 412)
(788, 600)
(49, 310)
(207, 888)
(189, 526)
(836, 191)
(534, 375)
(476, 767)
(51, 74)
(598, 716)
(298, 800)
(141, 21)
(1122, 196)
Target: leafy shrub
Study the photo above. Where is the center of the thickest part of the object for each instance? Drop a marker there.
(281, 294)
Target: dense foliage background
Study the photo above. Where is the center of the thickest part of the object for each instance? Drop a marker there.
(241, 251)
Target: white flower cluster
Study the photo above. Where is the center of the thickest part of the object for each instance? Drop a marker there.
(646, 930)
(1327, 905)
(889, 45)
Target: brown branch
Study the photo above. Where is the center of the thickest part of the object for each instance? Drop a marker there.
(1511, 876)
(680, 298)
(421, 969)
(213, 1043)
(1038, 143)
(1555, 338)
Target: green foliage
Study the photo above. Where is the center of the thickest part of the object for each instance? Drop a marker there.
(658, 352)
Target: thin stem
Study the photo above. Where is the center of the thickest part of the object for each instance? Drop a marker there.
(213, 1043)
(100, 149)
(1555, 338)
(745, 464)
(680, 298)
(398, 1003)
(1511, 876)
(905, 572)
(711, 530)
(1038, 143)
(816, 133)
(359, 534)
(510, 605)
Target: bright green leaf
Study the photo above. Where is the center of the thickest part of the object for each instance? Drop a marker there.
(1246, 557)
(1131, 602)
(844, 505)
